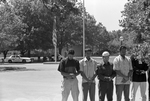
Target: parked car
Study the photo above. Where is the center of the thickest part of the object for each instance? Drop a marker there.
(59, 57)
(1, 60)
(17, 58)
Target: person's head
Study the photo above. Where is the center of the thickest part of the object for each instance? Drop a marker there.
(88, 52)
(122, 50)
(105, 56)
(71, 53)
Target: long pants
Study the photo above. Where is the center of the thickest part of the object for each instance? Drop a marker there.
(105, 88)
(149, 84)
(122, 88)
(88, 87)
(134, 88)
(70, 85)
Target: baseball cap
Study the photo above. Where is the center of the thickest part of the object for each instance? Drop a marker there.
(88, 50)
(71, 51)
(105, 53)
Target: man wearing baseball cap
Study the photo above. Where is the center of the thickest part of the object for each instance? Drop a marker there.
(69, 69)
(105, 74)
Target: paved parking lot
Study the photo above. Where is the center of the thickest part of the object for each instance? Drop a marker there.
(41, 82)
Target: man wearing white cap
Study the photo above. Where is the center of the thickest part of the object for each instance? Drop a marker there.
(105, 74)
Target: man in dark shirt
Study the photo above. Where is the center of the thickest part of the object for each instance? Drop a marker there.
(139, 76)
(105, 74)
(69, 68)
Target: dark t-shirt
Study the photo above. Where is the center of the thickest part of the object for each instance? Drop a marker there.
(69, 66)
(105, 70)
(138, 68)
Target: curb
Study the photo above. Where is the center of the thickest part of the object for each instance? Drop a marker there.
(12, 68)
(51, 62)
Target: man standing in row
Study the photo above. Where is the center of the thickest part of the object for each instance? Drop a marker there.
(105, 74)
(69, 68)
(88, 68)
(123, 68)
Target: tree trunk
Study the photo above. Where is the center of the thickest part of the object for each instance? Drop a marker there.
(5, 53)
(22, 52)
(29, 53)
(60, 49)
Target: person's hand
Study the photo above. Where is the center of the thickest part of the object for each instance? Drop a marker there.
(72, 76)
(90, 80)
(124, 80)
(108, 78)
(143, 72)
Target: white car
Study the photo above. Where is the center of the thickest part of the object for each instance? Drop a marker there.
(17, 58)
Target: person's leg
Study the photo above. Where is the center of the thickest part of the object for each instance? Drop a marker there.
(92, 91)
(143, 90)
(85, 89)
(119, 89)
(110, 92)
(75, 90)
(102, 91)
(149, 84)
(134, 90)
(126, 92)
(149, 89)
(66, 87)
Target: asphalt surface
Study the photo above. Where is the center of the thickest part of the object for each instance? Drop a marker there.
(40, 82)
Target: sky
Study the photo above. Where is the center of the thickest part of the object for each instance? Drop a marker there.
(108, 12)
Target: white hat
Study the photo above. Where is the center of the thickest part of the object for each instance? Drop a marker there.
(105, 53)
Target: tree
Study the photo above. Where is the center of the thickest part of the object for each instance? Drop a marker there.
(136, 19)
(38, 30)
(66, 13)
(10, 25)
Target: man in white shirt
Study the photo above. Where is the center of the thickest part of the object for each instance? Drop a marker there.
(88, 68)
(123, 68)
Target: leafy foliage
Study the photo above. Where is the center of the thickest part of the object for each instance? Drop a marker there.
(10, 26)
(28, 25)
(136, 17)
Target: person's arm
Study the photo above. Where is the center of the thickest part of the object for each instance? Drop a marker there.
(118, 72)
(131, 64)
(84, 76)
(113, 74)
(66, 74)
(145, 66)
(100, 74)
(95, 74)
(82, 71)
(104, 78)
(77, 68)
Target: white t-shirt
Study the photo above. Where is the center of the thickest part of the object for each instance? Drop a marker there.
(124, 65)
(88, 67)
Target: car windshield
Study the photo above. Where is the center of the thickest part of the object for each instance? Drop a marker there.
(13, 56)
(17, 57)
